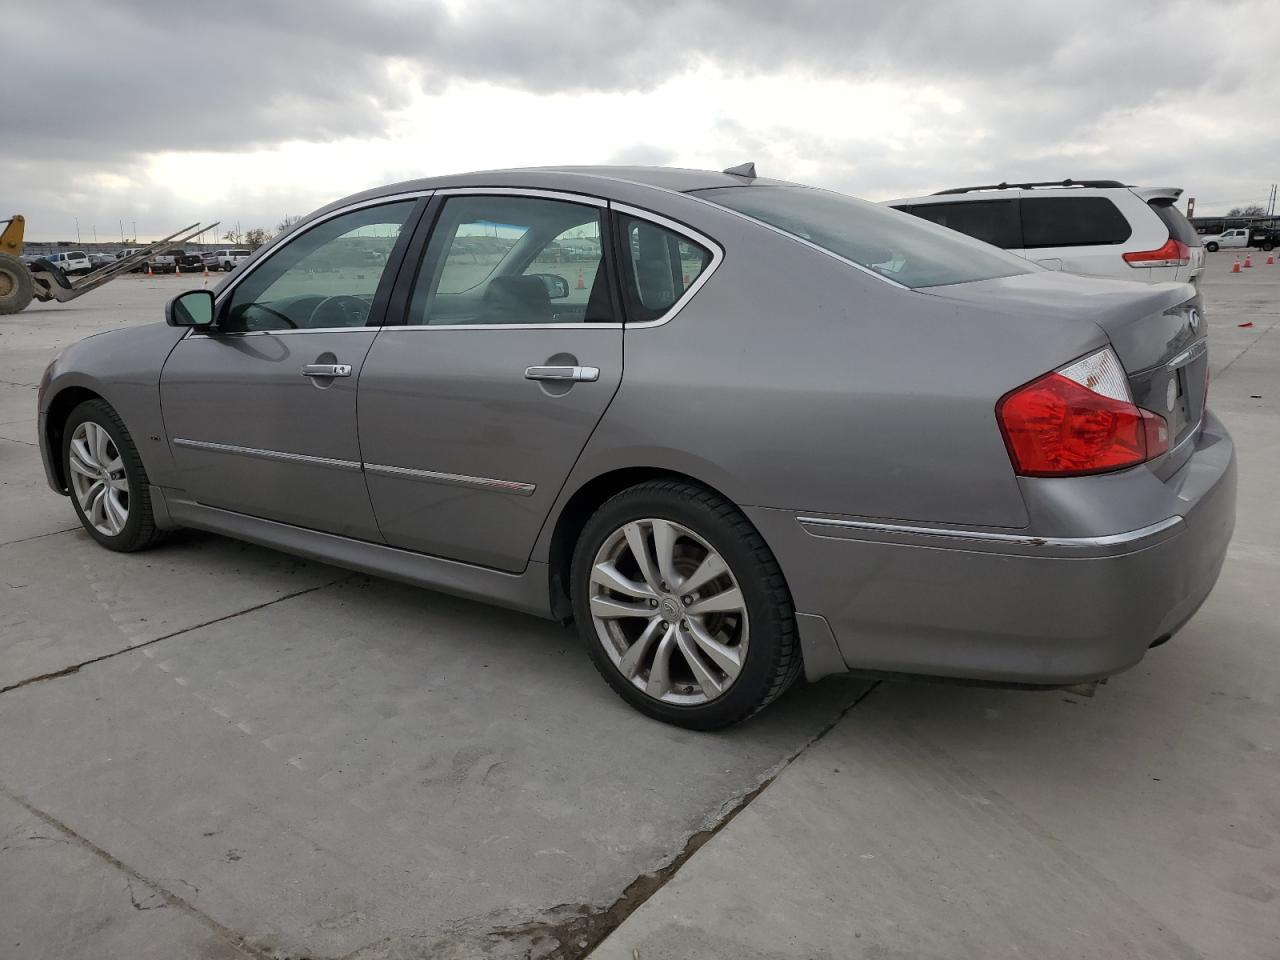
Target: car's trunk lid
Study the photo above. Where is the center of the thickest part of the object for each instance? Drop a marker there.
(1157, 330)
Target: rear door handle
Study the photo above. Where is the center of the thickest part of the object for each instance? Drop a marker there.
(327, 370)
(572, 374)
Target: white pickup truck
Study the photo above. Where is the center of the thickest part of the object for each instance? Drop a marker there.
(1235, 237)
(225, 259)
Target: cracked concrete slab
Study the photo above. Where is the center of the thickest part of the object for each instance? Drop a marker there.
(28, 508)
(373, 764)
(61, 901)
(64, 600)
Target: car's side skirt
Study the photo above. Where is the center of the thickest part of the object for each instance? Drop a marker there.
(527, 592)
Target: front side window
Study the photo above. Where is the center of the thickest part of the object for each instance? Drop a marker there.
(896, 245)
(1072, 222)
(660, 265)
(325, 277)
(991, 221)
(505, 259)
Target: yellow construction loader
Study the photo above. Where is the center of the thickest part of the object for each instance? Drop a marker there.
(21, 282)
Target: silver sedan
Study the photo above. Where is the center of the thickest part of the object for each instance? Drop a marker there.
(737, 429)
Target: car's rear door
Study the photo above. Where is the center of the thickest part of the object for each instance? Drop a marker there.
(261, 409)
(508, 350)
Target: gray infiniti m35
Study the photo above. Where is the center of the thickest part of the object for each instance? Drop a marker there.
(736, 429)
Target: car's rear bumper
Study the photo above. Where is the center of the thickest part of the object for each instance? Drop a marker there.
(1010, 606)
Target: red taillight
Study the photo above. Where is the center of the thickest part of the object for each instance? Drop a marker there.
(1174, 253)
(1059, 427)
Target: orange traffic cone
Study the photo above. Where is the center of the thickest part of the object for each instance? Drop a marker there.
(1235, 267)
(1270, 259)
(686, 281)
(581, 283)
(206, 271)
(1248, 260)
(149, 273)
(177, 268)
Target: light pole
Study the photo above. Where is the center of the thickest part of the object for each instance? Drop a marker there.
(77, 231)
(135, 231)
(122, 233)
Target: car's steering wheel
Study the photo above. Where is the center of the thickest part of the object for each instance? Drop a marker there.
(275, 313)
(349, 311)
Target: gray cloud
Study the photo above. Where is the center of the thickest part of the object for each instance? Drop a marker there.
(101, 85)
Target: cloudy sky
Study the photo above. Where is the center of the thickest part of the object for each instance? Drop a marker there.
(162, 113)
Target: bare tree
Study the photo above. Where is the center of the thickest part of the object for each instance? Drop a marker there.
(286, 223)
(256, 237)
(1252, 210)
(231, 236)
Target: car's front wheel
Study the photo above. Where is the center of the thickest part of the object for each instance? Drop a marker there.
(1211, 247)
(683, 607)
(107, 480)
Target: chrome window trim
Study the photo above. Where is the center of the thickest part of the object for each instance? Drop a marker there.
(701, 239)
(261, 454)
(281, 242)
(1125, 539)
(217, 335)
(535, 192)
(452, 479)
(502, 326)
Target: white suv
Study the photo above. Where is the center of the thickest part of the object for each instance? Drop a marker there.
(75, 261)
(225, 259)
(1101, 228)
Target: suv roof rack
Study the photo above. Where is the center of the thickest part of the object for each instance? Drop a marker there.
(1030, 186)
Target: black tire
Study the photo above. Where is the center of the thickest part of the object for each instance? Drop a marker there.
(139, 531)
(1211, 247)
(773, 658)
(16, 286)
(1268, 246)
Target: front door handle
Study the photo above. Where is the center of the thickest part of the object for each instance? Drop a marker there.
(570, 374)
(327, 370)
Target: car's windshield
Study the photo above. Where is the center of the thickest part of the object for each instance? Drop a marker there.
(904, 248)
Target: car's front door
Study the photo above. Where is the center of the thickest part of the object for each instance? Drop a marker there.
(475, 408)
(260, 410)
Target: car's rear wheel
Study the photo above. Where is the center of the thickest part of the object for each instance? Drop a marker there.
(683, 607)
(108, 483)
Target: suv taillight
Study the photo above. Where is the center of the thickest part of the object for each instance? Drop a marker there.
(1174, 253)
(1079, 420)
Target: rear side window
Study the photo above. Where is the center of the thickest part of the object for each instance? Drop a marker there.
(660, 266)
(904, 248)
(991, 221)
(1179, 226)
(1072, 222)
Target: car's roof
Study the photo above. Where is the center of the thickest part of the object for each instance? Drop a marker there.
(611, 181)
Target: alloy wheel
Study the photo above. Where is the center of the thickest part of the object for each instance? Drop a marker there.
(98, 478)
(669, 612)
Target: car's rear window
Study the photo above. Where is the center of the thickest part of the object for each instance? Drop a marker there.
(1071, 222)
(914, 252)
(991, 221)
(1180, 227)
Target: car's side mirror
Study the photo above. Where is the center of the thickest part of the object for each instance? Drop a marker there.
(191, 309)
(557, 286)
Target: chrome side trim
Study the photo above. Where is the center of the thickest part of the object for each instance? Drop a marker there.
(849, 529)
(522, 192)
(453, 479)
(701, 239)
(259, 454)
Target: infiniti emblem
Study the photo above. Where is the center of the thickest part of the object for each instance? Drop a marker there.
(670, 610)
(1193, 319)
